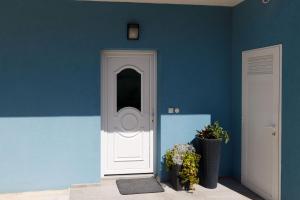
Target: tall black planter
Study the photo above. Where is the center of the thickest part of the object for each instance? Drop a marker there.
(210, 151)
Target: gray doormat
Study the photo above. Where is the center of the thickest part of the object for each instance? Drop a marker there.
(139, 186)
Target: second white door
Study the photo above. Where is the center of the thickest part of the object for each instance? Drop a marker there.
(129, 97)
(261, 121)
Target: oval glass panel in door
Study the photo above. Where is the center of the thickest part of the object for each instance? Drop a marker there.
(129, 89)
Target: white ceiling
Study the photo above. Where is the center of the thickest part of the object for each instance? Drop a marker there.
(229, 3)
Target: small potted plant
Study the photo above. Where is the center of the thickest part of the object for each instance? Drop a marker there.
(182, 163)
(209, 146)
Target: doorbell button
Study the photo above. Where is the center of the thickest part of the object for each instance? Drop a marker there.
(170, 110)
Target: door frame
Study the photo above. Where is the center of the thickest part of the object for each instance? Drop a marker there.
(104, 102)
(279, 131)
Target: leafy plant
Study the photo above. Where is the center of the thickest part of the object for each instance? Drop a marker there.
(185, 156)
(175, 156)
(189, 172)
(214, 131)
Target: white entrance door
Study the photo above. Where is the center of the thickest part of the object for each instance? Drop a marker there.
(261, 121)
(128, 112)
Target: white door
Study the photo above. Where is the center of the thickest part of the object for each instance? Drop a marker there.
(261, 121)
(128, 112)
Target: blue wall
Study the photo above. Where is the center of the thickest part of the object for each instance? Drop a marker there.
(258, 25)
(48, 152)
(50, 81)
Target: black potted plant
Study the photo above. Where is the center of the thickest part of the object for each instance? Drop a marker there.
(182, 163)
(209, 147)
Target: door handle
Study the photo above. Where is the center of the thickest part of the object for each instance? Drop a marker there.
(273, 129)
(152, 116)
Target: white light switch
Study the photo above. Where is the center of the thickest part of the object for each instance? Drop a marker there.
(170, 110)
(177, 110)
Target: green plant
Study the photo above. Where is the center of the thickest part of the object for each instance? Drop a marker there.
(189, 172)
(185, 156)
(169, 159)
(214, 131)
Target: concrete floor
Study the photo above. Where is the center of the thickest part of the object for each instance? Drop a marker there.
(107, 190)
(43, 195)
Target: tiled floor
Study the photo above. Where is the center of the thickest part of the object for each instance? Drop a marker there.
(227, 189)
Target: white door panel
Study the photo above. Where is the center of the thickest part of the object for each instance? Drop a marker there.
(261, 121)
(129, 132)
